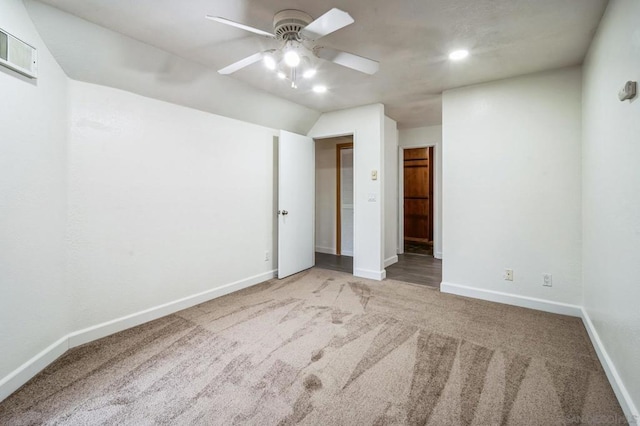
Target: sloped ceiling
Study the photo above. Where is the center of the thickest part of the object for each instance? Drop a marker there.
(88, 52)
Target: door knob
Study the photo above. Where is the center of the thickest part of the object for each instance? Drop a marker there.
(284, 212)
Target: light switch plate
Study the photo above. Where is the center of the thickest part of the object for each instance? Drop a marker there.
(374, 175)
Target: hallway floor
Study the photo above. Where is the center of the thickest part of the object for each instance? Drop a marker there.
(417, 269)
(410, 268)
(334, 263)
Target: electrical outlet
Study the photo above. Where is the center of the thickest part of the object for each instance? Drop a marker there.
(266, 256)
(548, 280)
(508, 274)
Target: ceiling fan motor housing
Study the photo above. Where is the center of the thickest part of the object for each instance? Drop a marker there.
(288, 23)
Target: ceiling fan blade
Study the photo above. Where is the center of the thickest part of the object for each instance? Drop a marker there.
(331, 21)
(241, 64)
(239, 25)
(349, 60)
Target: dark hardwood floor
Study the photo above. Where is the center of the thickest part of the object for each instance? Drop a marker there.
(416, 269)
(335, 263)
(411, 268)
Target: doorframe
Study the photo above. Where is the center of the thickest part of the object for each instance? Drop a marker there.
(436, 197)
(353, 135)
(340, 147)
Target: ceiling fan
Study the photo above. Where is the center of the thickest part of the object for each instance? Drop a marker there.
(297, 31)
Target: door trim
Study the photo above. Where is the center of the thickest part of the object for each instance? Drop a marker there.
(437, 220)
(339, 147)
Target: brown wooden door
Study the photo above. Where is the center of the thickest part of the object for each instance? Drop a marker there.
(418, 193)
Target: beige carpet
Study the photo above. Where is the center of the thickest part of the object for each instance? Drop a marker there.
(321, 348)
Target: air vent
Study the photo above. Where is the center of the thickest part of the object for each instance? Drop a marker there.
(18, 55)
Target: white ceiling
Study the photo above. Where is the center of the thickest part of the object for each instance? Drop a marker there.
(410, 38)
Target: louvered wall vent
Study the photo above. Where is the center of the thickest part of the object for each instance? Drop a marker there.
(18, 55)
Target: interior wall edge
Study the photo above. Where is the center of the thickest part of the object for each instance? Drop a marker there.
(620, 390)
(390, 261)
(372, 275)
(326, 250)
(512, 299)
(14, 380)
(615, 380)
(21, 375)
(34, 301)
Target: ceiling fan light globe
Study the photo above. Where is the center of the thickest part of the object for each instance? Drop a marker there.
(270, 62)
(292, 59)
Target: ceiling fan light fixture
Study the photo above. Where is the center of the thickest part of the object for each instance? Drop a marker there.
(292, 58)
(458, 55)
(319, 88)
(270, 61)
(297, 32)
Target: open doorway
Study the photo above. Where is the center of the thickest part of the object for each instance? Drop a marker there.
(418, 225)
(334, 221)
(418, 200)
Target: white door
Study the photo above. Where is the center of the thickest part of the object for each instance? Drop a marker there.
(296, 203)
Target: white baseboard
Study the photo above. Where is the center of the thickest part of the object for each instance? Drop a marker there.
(372, 275)
(326, 250)
(628, 407)
(390, 261)
(512, 299)
(622, 394)
(26, 371)
(438, 255)
(99, 331)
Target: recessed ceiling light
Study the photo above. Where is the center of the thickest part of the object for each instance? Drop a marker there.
(319, 88)
(309, 73)
(282, 75)
(457, 55)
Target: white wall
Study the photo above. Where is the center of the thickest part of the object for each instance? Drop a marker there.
(326, 195)
(367, 126)
(611, 192)
(390, 177)
(165, 202)
(511, 185)
(94, 54)
(34, 302)
(419, 137)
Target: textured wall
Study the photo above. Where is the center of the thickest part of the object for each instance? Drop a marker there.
(390, 178)
(511, 185)
(164, 201)
(326, 194)
(611, 191)
(34, 301)
(367, 126)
